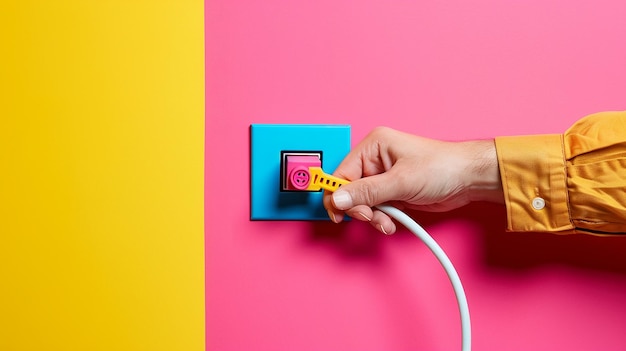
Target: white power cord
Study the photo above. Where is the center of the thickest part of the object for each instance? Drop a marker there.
(317, 179)
(416, 229)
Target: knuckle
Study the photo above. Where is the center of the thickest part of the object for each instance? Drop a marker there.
(369, 194)
(381, 131)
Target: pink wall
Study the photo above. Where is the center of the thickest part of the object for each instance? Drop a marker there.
(443, 69)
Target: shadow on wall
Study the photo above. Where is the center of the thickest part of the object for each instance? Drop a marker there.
(353, 240)
(502, 250)
(521, 251)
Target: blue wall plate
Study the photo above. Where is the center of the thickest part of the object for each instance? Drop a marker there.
(268, 141)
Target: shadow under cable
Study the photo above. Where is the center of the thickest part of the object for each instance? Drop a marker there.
(356, 240)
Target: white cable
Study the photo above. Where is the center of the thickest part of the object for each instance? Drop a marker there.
(416, 229)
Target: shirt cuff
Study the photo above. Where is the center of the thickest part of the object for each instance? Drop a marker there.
(532, 169)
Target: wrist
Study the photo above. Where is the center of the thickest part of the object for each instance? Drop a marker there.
(483, 173)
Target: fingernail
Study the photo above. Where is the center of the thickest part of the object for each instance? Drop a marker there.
(364, 216)
(332, 216)
(338, 217)
(382, 229)
(342, 200)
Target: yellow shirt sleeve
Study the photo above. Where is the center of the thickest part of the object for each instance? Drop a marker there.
(567, 183)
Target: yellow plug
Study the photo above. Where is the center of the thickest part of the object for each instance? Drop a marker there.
(321, 180)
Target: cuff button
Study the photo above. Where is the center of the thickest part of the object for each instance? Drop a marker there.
(538, 203)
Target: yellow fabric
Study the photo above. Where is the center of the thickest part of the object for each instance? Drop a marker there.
(102, 175)
(580, 175)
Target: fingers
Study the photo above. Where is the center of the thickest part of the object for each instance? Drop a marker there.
(369, 156)
(334, 214)
(368, 165)
(368, 191)
(383, 223)
(361, 213)
(377, 219)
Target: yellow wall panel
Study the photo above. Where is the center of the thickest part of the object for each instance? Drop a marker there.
(101, 175)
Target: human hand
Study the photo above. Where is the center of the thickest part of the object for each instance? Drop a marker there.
(413, 172)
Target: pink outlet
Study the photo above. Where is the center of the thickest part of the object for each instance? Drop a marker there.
(296, 170)
(300, 178)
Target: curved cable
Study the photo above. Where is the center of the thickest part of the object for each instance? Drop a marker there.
(416, 229)
(321, 180)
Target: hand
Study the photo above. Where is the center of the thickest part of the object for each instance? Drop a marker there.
(412, 172)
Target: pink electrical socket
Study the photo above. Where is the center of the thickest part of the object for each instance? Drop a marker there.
(297, 170)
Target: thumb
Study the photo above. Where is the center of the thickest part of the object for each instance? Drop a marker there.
(369, 191)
